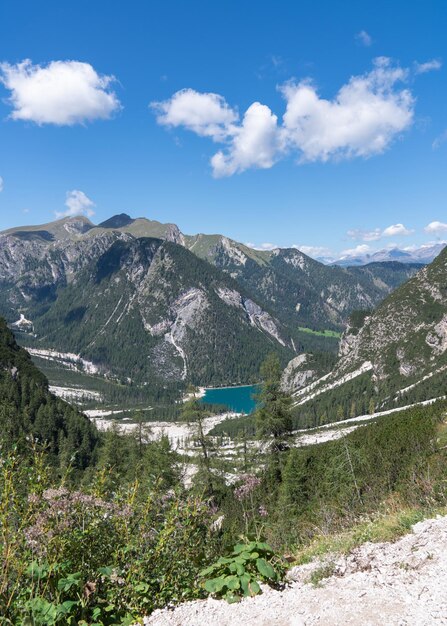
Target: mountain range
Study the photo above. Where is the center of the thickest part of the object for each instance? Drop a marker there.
(139, 303)
(424, 254)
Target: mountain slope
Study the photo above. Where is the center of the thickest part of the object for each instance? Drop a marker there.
(35, 261)
(304, 291)
(28, 408)
(392, 357)
(150, 311)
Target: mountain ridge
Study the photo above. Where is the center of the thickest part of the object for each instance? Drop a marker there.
(283, 296)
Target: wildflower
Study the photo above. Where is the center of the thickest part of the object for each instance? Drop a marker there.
(250, 483)
(262, 511)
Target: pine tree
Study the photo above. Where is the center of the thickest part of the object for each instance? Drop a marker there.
(194, 413)
(273, 419)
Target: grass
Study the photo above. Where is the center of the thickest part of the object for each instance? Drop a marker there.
(320, 333)
(319, 574)
(380, 528)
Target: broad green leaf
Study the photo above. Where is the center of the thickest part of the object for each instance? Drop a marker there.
(265, 569)
(264, 547)
(240, 569)
(66, 606)
(231, 597)
(224, 560)
(214, 585)
(232, 582)
(244, 581)
(207, 571)
(240, 547)
(254, 587)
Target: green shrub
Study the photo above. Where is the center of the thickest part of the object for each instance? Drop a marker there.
(71, 556)
(239, 573)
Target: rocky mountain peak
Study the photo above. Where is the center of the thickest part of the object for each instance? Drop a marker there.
(117, 221)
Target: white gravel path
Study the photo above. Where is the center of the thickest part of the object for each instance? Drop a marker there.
(389, 584)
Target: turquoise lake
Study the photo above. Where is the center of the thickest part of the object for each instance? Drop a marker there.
(238, 399)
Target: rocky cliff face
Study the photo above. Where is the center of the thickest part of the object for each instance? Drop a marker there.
(408, 331)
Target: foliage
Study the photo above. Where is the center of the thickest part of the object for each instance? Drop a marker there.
(27, 408)
(85, 556)
(273, 413)
(239, 573)
(328, 486)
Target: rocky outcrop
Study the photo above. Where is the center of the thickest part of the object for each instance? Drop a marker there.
(297, 374)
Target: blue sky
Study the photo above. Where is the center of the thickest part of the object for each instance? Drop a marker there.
(316, 124)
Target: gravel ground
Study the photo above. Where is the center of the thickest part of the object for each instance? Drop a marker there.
(389, 584)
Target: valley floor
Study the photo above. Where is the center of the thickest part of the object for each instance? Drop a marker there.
(388, 584)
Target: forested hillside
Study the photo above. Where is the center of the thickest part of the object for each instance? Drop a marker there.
(148, 311)
(28, 409)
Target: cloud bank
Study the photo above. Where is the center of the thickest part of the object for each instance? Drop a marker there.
(395, 230)
(366, 115)
(63, 93)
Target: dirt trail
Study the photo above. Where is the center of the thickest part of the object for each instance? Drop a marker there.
(389, 584)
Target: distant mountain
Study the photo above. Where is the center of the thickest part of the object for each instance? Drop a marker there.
(391, 357)
(137, 299)
(303, 291)
(425, 254)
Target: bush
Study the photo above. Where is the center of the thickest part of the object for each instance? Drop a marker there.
(239, 573)
(73, 556)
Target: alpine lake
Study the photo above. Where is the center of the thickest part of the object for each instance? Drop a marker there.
(237, 399)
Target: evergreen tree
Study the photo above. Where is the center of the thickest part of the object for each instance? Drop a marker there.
(193, 412)
(273, 419)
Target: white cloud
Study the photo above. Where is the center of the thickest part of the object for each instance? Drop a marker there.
(1, 184)
(439, 140)
(428, 66)
(377, 233)
(436, 227)
(365, 235)
(396, 230)
(206, 114)
(255, 143)
(314, 251)
(363, 119)
(77, 203)
(262, 246)
(62, 93)
(364, 38)
(358, 250)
